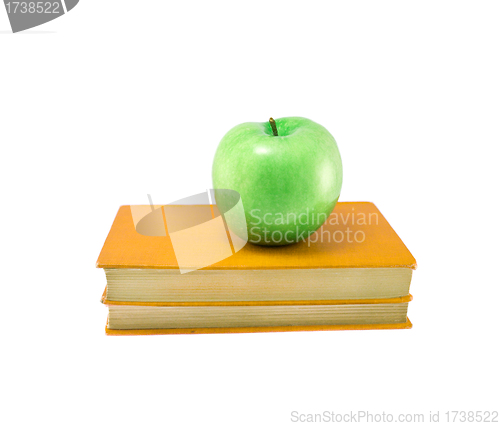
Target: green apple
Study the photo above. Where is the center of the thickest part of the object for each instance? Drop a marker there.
(288, 173)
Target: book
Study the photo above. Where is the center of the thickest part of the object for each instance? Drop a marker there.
(328, 282)
(355, 255)
(170, 318)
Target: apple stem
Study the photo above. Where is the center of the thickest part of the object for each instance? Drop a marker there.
(273, 126)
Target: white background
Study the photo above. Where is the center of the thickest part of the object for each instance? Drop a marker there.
(119, 99)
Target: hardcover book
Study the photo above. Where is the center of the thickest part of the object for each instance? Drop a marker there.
(354, 272)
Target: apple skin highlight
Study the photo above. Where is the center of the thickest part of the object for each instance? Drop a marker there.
(289, 183)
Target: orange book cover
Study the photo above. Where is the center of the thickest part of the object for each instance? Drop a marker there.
(356, 235)
(225, 330)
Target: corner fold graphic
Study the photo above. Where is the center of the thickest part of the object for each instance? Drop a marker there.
(24, 15)
(201, 233)
(70, 4)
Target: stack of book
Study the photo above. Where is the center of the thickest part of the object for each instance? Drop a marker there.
(353, 273)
